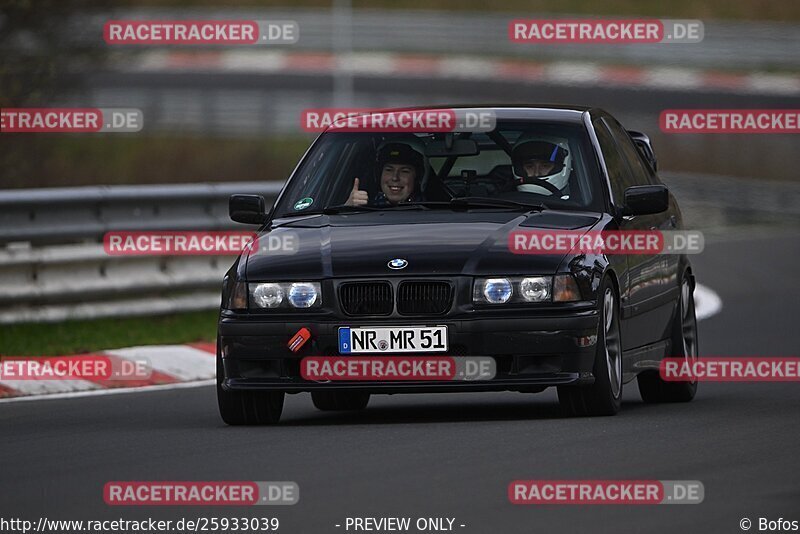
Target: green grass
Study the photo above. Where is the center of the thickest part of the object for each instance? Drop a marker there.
(76, 337)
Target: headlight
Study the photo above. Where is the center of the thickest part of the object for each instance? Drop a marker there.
(497, 290)
(272, 295)
(524, 289)
(535, 289)
(303, 295)
(492, 290)
(268, 295)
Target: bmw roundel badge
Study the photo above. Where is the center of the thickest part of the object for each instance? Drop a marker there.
(398, 263)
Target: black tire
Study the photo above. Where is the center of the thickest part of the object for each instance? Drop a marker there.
(247, 407)
(604, 396)
(652, 387)
(329, 401)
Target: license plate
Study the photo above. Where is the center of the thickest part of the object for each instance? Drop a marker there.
(388, 340)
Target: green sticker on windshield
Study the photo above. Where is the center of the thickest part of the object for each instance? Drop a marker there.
(303, 203)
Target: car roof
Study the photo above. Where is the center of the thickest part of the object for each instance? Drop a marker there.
(560, 113)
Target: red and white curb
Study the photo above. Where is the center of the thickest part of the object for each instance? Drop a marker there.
(386, 64)
(186, 366)
(173, 366)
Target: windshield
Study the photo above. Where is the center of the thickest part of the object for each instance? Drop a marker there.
(529, 163)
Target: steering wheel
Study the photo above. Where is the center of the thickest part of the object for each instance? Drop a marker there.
(541, 182)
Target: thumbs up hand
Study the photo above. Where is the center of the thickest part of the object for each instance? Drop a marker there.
(357, 197)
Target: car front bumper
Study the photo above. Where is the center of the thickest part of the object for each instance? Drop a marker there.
(530, 352)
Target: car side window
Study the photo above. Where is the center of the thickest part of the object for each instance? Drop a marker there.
(642, 174)
(619, 172)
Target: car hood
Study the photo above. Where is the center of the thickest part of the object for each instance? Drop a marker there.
(433, 243)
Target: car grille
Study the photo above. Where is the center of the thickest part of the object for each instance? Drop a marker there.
(424, 298)
(366, 298)
(414, 297)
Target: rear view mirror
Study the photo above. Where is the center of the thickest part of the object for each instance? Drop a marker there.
(646, 200)
(645, 147)
(460, 147)
(247, 209)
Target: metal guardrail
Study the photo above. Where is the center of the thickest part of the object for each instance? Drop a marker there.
(68, 215)
(53, 266)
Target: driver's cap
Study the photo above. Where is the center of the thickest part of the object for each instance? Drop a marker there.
(401, 153)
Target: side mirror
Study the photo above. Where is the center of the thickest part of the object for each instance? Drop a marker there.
(247, 209)
(645, 147)
(646, 200)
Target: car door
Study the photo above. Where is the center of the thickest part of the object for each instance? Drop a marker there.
(666, 221)
(644, 309)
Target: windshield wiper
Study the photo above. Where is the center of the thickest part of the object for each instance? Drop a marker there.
(333, 210)
(458, 202)
(408, 205)
(486, 202)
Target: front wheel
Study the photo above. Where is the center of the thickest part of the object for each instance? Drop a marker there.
(604, 397)
(247, 407)
(652, 387)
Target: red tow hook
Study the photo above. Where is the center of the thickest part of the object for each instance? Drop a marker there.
(299, 339)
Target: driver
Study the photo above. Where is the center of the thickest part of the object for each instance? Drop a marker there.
(536, 161)
(401, 168)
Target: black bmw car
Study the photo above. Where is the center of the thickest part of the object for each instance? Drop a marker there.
(397, 244)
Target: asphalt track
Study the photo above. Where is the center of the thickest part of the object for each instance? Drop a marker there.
(450, 455)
